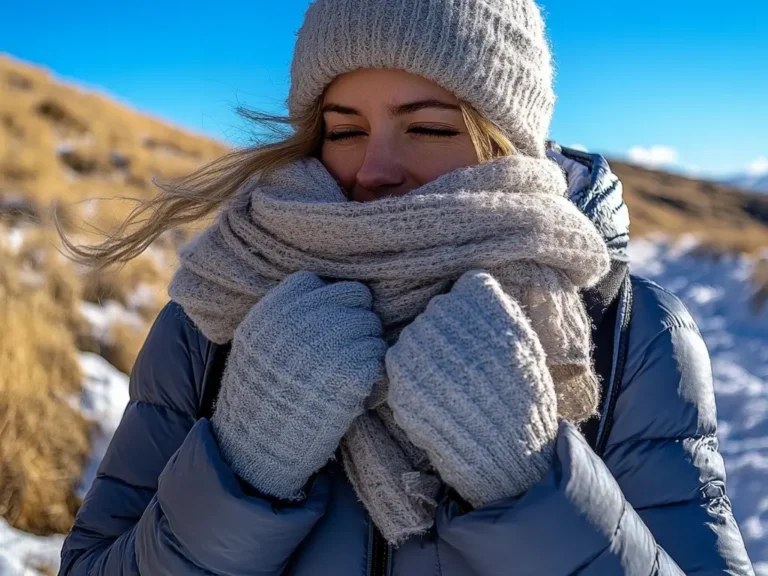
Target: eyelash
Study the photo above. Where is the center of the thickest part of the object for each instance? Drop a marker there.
(420, 130)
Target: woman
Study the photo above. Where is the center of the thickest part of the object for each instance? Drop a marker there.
(408, 286)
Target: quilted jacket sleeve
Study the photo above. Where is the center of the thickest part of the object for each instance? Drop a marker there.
(164, 502)
(654, 505)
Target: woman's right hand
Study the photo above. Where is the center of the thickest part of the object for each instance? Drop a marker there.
(303, 361)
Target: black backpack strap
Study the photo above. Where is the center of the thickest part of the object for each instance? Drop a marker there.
(214, 370)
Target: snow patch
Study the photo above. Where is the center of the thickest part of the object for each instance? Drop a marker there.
(21, 553)
(13, 238)
(102, 317)
(144, 297)
(104, 398)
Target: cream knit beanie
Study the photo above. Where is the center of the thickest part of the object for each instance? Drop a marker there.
(491, 53)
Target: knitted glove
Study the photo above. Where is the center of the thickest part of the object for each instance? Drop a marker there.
(303, 361)
(470, 386)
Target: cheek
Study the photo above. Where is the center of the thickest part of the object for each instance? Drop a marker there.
(342, 162)
(431, 162)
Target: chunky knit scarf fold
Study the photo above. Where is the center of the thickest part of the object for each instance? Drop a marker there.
(509, 217)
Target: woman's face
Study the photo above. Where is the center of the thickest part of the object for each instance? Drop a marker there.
(388, 132)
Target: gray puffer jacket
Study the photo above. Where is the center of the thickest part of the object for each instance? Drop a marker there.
(654, 502)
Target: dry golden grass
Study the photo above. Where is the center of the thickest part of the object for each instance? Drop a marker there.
(60, 143)
(62, 147)
(67, 289)
(121, 284)
(39, 253)
(723, 219)
(123, 345)
(44, 440)
(42, 569)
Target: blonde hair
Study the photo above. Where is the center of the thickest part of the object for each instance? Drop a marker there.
(200, 195)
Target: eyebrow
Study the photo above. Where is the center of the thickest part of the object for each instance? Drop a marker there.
(398, 110)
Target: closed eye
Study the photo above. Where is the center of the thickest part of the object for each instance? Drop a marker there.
(437, 132)
(418, 130)
(343, 135)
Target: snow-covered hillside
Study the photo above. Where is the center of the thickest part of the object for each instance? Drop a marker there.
(716, 291)
(718, 294)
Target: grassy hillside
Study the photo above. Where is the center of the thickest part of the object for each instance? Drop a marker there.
(60, 145)
(723, 218)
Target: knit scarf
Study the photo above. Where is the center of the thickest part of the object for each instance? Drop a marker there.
(509, 217)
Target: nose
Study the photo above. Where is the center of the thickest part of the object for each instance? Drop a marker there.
(382, 173)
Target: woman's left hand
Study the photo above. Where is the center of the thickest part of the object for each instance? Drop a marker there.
(470, 386)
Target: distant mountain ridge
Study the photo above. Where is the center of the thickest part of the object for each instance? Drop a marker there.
(750, 182)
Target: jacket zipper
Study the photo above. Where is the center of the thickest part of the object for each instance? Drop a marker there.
(621, 341)
(378, 559)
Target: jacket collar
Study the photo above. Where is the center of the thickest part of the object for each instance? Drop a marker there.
(598, 193)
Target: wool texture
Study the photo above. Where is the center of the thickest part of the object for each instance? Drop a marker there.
(491, 53)
(509, 217)
(271, 382)
(498, 440)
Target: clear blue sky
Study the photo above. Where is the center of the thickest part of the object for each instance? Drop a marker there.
(684, 74)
